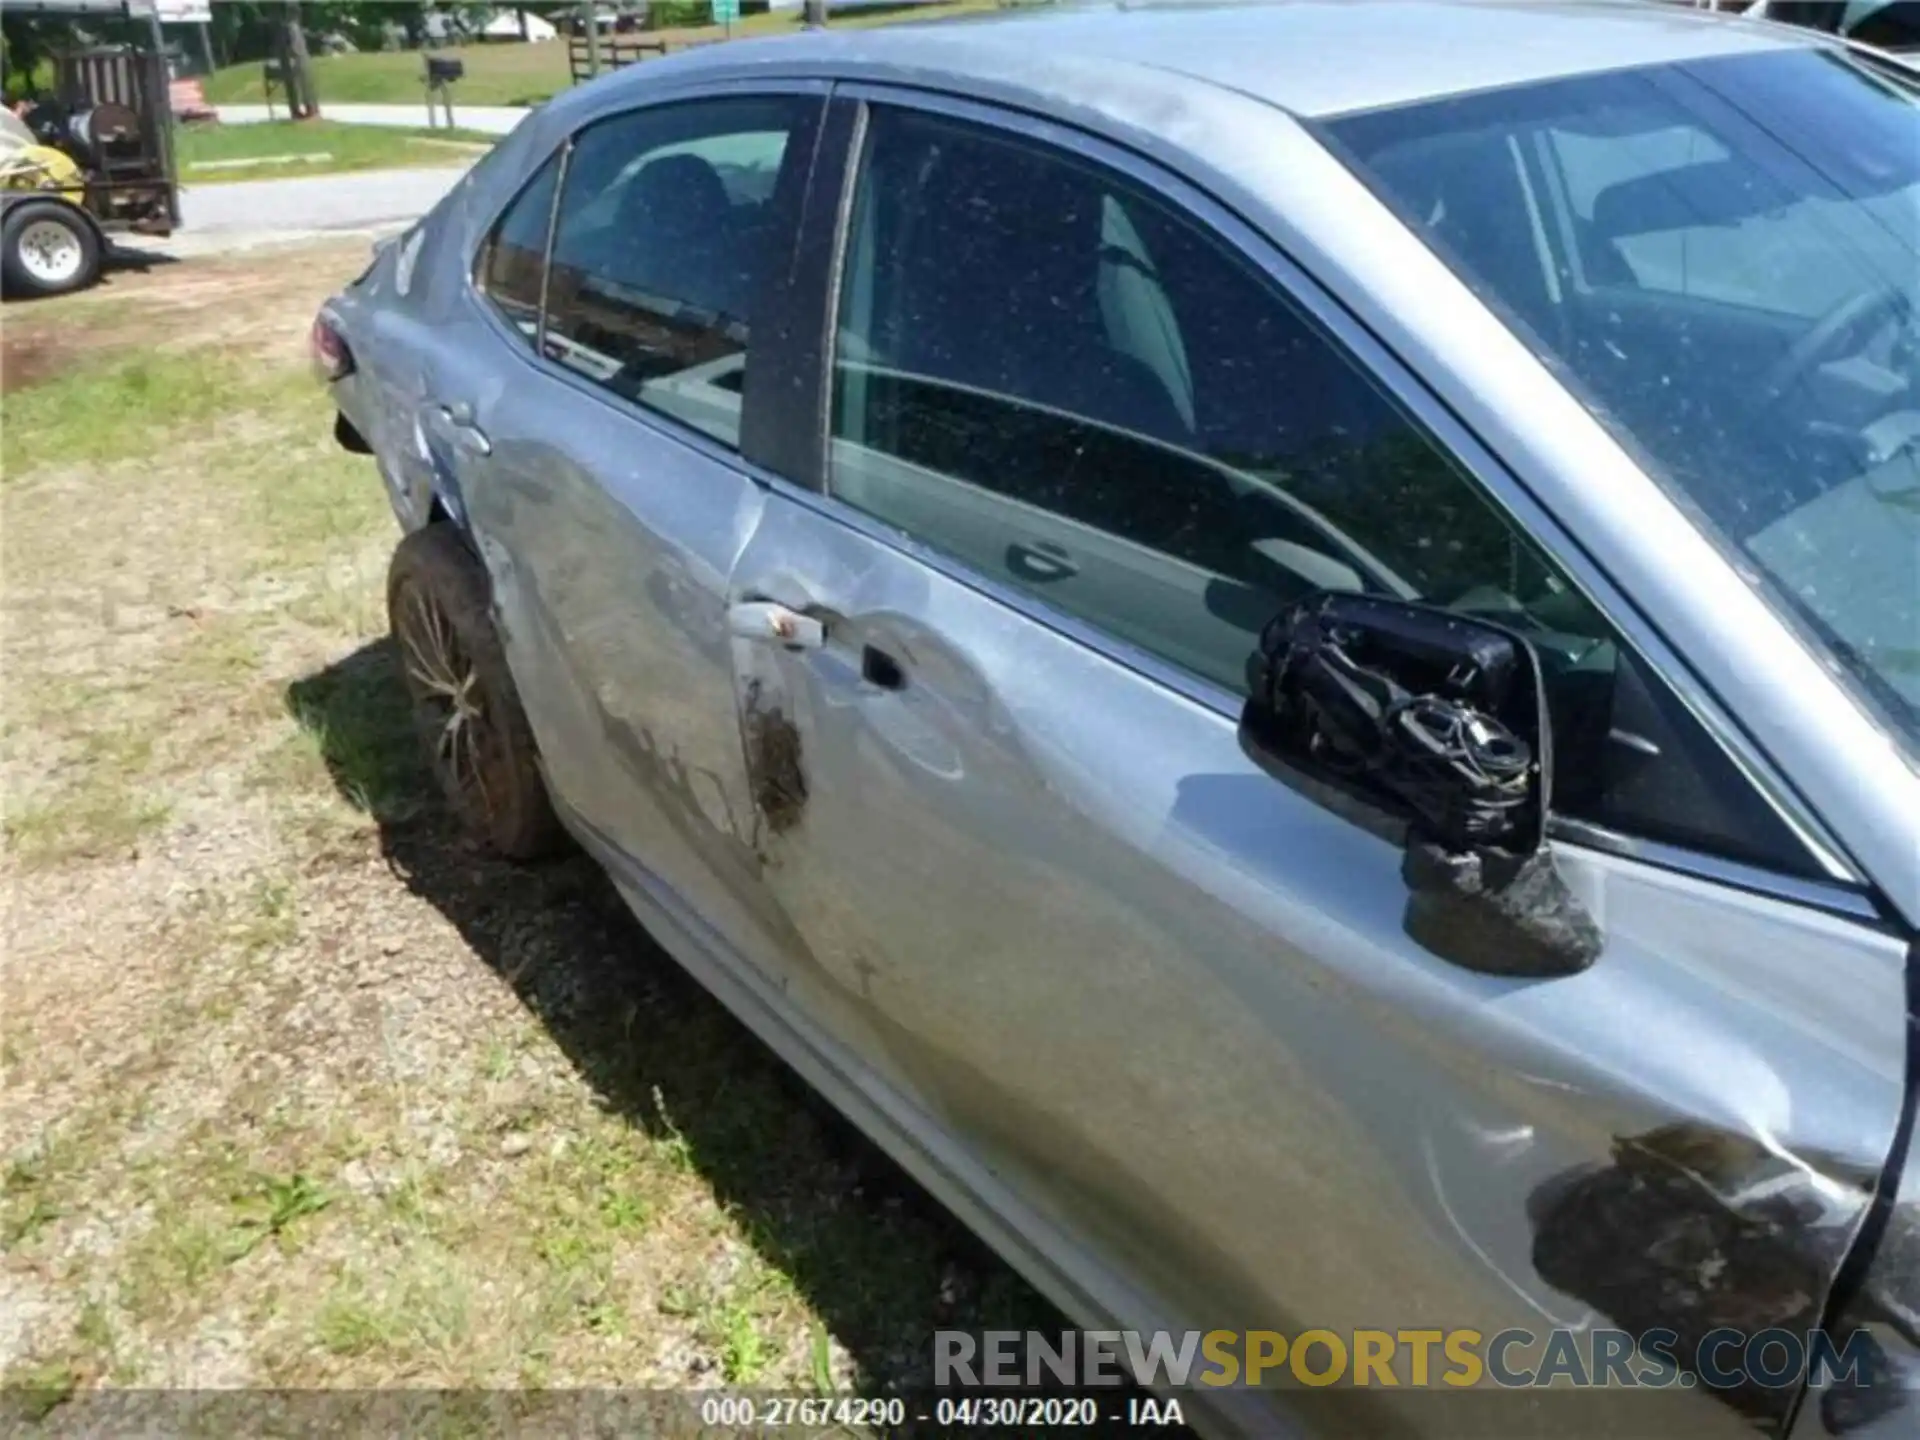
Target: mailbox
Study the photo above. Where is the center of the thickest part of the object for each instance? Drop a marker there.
(441, 72)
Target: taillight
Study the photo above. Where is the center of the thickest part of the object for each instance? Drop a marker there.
(331, 357)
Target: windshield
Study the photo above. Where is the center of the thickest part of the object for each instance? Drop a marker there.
(1722, 259)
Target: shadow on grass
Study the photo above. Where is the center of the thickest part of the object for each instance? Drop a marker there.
(125, 254)
(874, 1256)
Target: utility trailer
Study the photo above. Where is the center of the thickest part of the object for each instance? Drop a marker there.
(91, 159)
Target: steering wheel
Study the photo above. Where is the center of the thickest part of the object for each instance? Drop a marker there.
(1839, 325)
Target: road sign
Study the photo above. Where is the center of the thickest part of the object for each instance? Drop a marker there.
(725, 12)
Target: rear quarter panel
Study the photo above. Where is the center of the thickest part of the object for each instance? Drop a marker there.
(399, 320)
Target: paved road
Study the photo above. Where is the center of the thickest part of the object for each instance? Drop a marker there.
(319, 202)
(490, 119)
(218, 219)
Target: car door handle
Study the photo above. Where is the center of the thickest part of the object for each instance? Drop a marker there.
(776, 624)
(467, 435)
(1040, 562)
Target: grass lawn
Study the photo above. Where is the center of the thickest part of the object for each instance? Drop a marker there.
(296, 1088)
(206, 152)
(510, 74)
(513, 74)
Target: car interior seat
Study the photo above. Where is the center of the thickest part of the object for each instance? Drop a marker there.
(1032, 244)
(678, 237)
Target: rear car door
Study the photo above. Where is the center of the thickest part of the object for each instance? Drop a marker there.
(604, 480)
(1151, 1011)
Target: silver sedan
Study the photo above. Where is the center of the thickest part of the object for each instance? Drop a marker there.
(1281, 644)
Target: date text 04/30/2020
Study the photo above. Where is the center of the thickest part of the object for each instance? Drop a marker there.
(969, 1411)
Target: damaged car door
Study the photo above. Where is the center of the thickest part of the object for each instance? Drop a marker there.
(1141, 984)
(615, 499)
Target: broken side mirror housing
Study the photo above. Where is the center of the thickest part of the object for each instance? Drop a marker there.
(1439, 720)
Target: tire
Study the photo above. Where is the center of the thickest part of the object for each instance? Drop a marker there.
(47, 248)
(465, 707)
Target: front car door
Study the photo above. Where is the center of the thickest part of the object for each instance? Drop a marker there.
(1152, 1015)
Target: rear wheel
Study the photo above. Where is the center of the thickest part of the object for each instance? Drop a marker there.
(464, 704)
(47, 248)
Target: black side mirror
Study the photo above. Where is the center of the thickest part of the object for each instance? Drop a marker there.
(1440, 721)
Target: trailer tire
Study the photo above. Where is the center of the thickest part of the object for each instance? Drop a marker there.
(47, 247)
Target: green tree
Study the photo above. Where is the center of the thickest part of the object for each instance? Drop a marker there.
(364, 21)
(27, 45)
(242, 30)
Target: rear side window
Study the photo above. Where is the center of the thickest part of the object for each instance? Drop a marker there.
(667, 230)
(513, 261)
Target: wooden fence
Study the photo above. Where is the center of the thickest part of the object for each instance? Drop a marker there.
(590, 55)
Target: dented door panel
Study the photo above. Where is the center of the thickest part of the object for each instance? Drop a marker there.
(608, 541)
(1166, 1001)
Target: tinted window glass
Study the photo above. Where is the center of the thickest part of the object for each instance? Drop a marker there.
(1054, 376)
(1723, 259)
(666, 227)
(513, 262)
(1139, 427)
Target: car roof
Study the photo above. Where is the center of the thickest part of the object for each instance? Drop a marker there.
(1312, 58)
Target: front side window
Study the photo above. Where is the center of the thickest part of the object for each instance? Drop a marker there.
(665, 231)
(1722, 259)
(1062, 380)
(513, 263)
(1059, 378)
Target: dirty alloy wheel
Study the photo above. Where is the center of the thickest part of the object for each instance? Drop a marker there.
(47, 248)
(464, 704)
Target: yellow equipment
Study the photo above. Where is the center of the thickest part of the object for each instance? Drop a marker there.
(39, 167)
